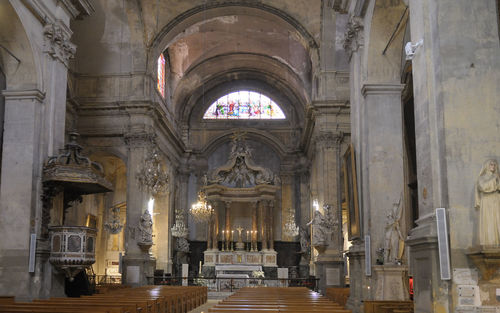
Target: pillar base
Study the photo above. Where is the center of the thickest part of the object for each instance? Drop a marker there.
(390, 282)
(138, 270)
(330, 274)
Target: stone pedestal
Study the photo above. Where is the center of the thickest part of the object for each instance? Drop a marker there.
(269, 258)
(138, 270)
(330, 274)
(391, 282)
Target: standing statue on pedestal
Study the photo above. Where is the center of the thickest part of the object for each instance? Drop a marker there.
(393, 236)
(322, 226)
(146, 227)
(487, 200)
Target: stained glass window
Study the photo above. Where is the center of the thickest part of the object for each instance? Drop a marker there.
(244, 105)
(161, 75)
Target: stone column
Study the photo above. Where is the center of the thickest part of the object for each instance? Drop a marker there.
(330, 264)
(20, 193)
(210, 224)
(228, 221)
(254, 226)
(287, 201)
(270, 214)
(382, 161)
(263, 224)
(215, 230)
(137, 263)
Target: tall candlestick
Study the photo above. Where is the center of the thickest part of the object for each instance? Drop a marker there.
(247, 235)
(232, 235)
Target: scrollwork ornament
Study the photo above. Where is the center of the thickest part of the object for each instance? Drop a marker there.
(57, 43)
(353, 36)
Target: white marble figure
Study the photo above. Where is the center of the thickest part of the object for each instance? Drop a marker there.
(487, 200)
(146, 227)
(322, 226)
(393, 234)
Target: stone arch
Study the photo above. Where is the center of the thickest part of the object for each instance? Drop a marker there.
(383, 16)
(258, 72)
(21, 69)
(194, 15)
(253, 134)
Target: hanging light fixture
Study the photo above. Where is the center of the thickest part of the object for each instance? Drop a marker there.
(201, 210)
(179, 229)
(290, 229)
(152, 177)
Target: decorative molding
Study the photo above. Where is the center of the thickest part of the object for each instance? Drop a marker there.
(353, 36)
(57, 43)
(328, 139)
(139, 139)
(340, 6)
(381, 89)
(31, 94)
(78, 8)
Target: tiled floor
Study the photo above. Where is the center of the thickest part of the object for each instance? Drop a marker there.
(204, 308)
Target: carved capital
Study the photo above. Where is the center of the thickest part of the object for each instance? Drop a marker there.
(329, 140)
(353, 36)
(139, 139)
(57, 43)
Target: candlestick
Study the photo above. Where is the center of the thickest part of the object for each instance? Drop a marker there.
(232, 235)
(247, 235)
(200, 269)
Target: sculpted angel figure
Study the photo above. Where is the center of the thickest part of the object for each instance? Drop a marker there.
(487, 200)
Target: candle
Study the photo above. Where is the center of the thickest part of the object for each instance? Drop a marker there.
(224, 238)
(232, 235)
(200, 267)
(247, 235)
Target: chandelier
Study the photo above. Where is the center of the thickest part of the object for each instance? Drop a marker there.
(201, 210)
(290, 229)
(152, 177)
(179, 229)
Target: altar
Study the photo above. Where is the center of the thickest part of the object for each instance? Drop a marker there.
(265, 258)
(242, 196)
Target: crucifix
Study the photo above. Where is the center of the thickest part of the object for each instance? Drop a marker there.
(239, 229)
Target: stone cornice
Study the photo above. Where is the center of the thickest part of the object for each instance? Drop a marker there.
(33, 94)
(78, 8)
(381, 89)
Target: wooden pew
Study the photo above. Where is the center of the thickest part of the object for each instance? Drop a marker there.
(379, 306)
(145, 299)
(276, 299)
(338, 295)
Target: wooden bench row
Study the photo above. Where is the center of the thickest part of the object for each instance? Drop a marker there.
(373, 306)
(146, 299)
(338, 295)
(276, 299)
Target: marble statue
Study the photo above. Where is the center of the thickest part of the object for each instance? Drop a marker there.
(393, 234)
(322, 226)
(146, 227)
(487, 200)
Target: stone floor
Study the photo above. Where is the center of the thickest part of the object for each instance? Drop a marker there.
(204, 308)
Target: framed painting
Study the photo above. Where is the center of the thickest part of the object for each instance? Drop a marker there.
(91, 221)
(351, 193)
